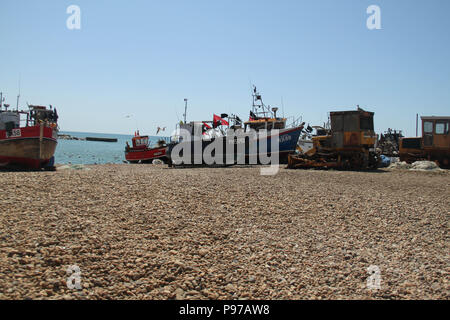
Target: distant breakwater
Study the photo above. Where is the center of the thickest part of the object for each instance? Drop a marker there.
(70, 137)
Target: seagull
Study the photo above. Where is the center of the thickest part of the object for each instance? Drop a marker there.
(160, 129)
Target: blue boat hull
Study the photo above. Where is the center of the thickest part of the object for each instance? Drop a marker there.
(287, 144)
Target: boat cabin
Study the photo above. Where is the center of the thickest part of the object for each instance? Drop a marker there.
(265, 123)
(37, 114)
(140, 142)
(263, 117)
(9, 120)
(41, 113)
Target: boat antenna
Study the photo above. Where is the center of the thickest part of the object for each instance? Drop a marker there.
(176, 113)
(185, 109)
(258, 105)
(1, 100)
(282, 106)
(18, 96)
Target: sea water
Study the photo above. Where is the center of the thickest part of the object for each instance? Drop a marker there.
(94, 152)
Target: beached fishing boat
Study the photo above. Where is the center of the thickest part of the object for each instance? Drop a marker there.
(141, 152)
(244, 136)
(28, 138)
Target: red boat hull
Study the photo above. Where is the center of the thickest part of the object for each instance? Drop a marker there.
(31, 147)
(146, 155)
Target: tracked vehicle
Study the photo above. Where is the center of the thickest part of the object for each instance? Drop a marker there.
(348, 143)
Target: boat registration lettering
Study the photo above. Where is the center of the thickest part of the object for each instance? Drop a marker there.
(14, 133)
(285, 138)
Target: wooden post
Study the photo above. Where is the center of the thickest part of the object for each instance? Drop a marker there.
(417, 124)
(41, 136)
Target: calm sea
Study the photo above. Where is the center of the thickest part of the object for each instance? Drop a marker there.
(93, 152)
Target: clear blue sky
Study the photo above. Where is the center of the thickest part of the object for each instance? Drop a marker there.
(144, 57)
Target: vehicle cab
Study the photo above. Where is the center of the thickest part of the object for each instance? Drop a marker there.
(435, 132)
(434, 145)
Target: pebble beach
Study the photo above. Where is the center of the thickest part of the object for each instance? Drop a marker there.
(153, 232)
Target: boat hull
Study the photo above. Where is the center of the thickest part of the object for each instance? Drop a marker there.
(146, 155)
(287, 144)
(31, 147)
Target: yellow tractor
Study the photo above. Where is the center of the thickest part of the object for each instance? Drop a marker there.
(434, 145)
(348, 144)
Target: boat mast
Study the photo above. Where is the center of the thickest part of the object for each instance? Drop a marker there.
(259, 104)
(185, 109)
(1, 100)
(18, 96)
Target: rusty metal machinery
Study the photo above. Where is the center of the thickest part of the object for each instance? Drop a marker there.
(389, 142)
(434, 145)
(350, 144)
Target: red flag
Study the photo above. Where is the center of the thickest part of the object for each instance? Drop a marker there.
(206, 125)
(218, 121)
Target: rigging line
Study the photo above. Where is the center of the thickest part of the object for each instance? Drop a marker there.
(176, 113)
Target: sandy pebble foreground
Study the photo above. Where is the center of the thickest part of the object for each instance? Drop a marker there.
(150, 232)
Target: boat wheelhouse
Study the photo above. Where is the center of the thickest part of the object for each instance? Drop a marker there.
(263, 117)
